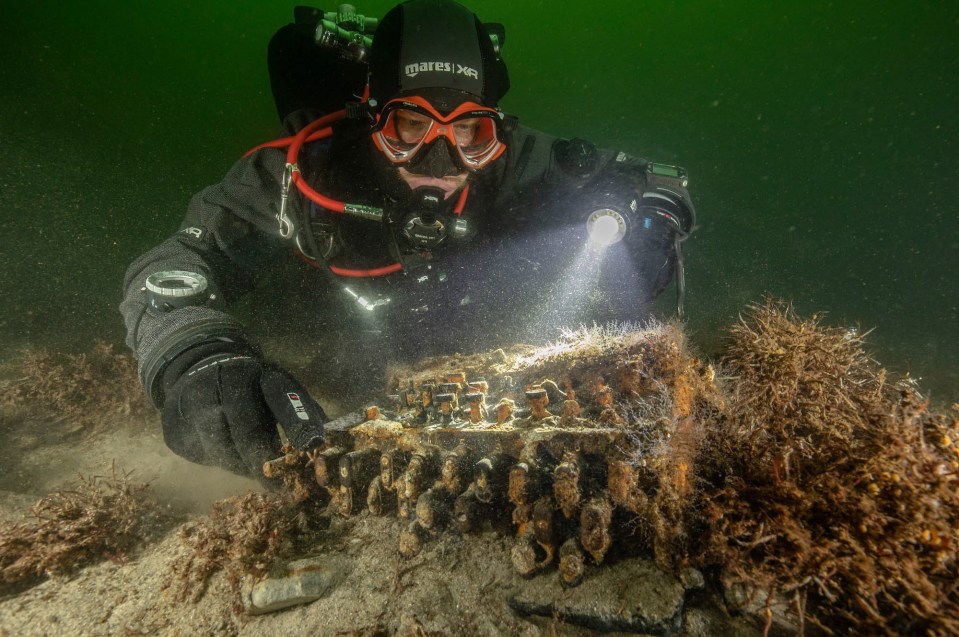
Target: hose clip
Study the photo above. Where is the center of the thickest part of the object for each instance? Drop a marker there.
(286, 224)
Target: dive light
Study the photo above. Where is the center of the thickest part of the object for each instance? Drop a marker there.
(662, 200)
(606, 226)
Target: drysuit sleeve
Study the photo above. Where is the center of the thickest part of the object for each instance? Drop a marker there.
(230, 235)
(554, 183)
(550, 177)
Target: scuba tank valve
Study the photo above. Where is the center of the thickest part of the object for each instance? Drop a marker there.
(344, 29)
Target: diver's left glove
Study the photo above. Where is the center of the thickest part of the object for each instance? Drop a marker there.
(224, 411)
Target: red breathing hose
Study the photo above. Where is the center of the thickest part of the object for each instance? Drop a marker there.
(316, 130)
(293, 154)
(383, 271)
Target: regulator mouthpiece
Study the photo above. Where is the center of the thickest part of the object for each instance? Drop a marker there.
(428, 225)
(605, 226)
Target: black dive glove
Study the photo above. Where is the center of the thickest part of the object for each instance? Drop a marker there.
(223, 411)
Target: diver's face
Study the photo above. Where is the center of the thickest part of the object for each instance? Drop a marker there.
(411, 127)
(448, 184)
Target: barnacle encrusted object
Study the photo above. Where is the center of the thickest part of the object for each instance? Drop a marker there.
(549, 444)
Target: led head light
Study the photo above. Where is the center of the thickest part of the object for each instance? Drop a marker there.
(605, 226)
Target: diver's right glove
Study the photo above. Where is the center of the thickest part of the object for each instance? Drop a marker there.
(223, 410)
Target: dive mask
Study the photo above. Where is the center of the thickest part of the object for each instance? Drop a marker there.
(406, 126)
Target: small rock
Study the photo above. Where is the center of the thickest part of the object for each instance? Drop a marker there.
(740, 596)
(633, 595)
(692, 579)
(305, 581)
(409, 626)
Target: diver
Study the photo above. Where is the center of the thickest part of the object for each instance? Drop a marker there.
(402, 210)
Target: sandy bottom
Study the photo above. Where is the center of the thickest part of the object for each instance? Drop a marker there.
(458, 585)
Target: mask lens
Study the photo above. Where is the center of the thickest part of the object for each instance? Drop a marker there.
(410, 127)
(405, 131)
(478, 142)
(402, 134)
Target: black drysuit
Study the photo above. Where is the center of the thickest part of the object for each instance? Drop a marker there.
(521, 271)
(527, 213)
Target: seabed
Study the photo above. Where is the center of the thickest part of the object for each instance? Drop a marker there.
(790, 485)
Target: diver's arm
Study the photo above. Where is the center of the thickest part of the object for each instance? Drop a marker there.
(552, 182)
(221, 402)
(543, 169)
(229, 236)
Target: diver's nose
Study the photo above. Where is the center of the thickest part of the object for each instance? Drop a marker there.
(438, 162)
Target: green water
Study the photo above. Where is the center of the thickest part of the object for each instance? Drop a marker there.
(821, 138)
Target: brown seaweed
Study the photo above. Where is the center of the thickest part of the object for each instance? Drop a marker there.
(831, 486)
(97, 518)
(76, 391)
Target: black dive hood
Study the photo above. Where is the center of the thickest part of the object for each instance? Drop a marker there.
(435, 49)
(437, 44)
(439, 50)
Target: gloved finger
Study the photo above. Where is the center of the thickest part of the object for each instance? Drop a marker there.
(300, 416)
(250, 433)
(181, 437)
(194, 425)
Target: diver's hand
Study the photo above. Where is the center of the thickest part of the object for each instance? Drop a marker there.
(224, 410)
